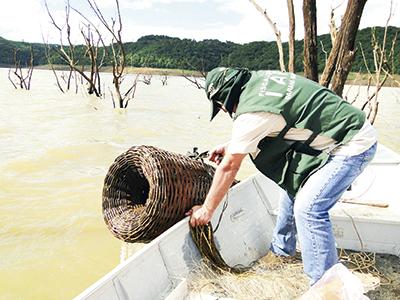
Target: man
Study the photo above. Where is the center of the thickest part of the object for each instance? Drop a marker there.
(308, 140)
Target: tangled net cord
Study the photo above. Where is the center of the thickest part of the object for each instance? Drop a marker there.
(365, 263)
(362, 261)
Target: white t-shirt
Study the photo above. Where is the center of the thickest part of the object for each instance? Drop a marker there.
(250, 128)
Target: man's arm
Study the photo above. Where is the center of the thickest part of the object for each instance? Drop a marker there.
(222, 181)
(248, 129)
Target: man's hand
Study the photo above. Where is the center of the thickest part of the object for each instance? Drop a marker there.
(224, 176)
(217, 153)
(199, 215)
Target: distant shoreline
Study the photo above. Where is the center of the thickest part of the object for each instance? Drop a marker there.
(133, 70)
(351, 80)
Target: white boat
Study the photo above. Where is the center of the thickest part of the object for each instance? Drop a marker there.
(159, 270)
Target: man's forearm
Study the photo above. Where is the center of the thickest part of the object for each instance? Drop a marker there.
(224, 176)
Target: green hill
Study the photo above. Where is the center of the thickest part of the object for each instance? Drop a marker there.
(168, 52)
(7, 48)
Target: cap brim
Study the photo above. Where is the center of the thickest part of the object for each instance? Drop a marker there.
(215, 108)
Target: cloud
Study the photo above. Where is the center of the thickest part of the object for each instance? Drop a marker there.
(254, 26)
(147, 4)
(16, 17)
(233, 20)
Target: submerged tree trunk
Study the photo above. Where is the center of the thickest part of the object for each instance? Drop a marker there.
(310, 39)
(342, 54)
(21, 80)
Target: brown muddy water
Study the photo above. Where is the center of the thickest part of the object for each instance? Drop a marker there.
(55, 151)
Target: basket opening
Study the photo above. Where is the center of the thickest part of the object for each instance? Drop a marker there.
(138, 185)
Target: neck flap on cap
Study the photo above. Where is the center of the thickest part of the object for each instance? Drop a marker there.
(224, 85)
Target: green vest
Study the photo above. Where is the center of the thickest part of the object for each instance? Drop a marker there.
(304, 104)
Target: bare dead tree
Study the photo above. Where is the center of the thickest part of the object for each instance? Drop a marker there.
(147, 79)
(324, 51)
(128, 95)
(332, 27)
(63, 81)
(310, 40)
(30, 69)
(332, 24)
(164, 78)
(339, 61)
(17, 77)
(198, 77)
(50, 63)
(68, 54)
(276, 31)
(355, 82)
(118, 53)
(116, 46)
(195, 80)
(11, 80)
(383, 69)
(92, 52)
(93, 48)
(343, 50)
(341, 56)
(292, 31)
(70, 49)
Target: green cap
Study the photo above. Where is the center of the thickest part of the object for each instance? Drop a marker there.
(223, 86)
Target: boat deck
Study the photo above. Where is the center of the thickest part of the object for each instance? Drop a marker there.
(159, 269)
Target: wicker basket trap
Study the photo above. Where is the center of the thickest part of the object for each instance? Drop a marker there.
(147, 190)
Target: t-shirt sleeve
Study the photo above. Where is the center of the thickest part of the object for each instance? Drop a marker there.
(250, 128)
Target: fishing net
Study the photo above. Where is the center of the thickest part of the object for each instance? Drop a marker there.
(269, 278)
(147, 190)
(276, 277)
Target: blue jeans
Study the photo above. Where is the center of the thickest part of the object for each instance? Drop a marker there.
(309, 213)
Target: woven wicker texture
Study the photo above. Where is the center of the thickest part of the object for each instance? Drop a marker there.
(147, 190)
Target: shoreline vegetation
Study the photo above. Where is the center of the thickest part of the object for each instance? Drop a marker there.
(353, 78)
(171, 53)
(132, 70)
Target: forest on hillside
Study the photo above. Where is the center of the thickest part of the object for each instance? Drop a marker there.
(174, 53)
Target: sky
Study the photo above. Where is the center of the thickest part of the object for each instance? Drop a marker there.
(226, 20)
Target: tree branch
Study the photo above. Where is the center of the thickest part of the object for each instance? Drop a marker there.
(276, 31)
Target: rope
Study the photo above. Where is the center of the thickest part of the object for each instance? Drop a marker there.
(362, 261)
(365, 263)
